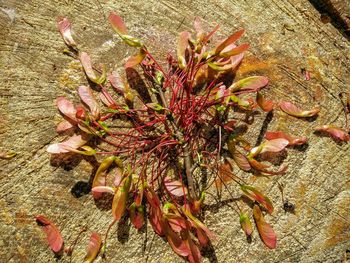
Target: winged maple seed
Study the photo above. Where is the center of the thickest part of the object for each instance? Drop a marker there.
(93, 248)
(266, 232)
(291, 139)
(53, 234)
(7, 155)
(336, 132)
(246, 224)
(152, 151)
(293, 110)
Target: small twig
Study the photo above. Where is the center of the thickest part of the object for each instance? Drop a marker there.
(219, 149)
(345, 108)
(188, 168)
(281, 188)
(187, 156)
(106, 236)
(70, 249)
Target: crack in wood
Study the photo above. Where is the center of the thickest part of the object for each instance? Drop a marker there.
(334, 9)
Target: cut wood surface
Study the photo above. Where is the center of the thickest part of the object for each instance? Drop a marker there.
(286, 37)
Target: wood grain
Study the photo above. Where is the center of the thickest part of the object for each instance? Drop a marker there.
(285, 36)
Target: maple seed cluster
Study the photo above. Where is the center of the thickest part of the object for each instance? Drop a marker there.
(152, 150)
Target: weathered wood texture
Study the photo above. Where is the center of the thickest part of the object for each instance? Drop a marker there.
(285, 35)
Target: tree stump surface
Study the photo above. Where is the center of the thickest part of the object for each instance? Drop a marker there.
(285, 36)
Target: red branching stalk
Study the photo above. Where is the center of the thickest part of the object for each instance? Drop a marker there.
(184, 127)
